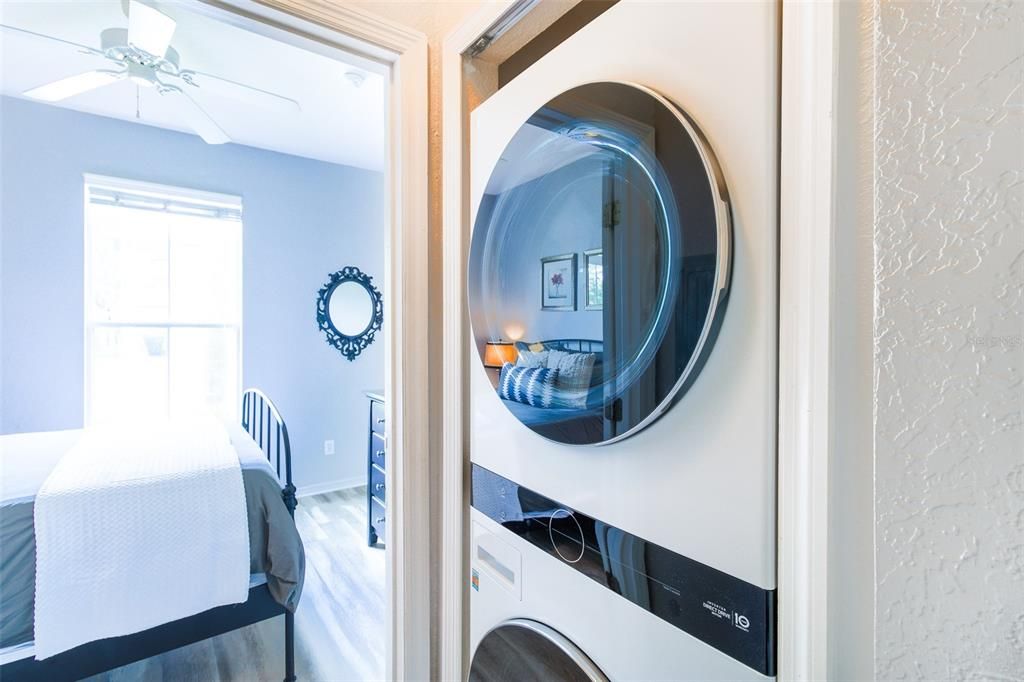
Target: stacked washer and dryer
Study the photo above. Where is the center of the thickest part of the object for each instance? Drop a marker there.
(623, 301)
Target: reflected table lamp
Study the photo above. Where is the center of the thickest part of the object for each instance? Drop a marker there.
(497, 353)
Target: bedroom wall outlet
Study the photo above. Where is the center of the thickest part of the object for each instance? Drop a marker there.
(328, 447)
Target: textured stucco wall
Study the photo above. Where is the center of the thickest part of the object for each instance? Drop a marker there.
(949, 361)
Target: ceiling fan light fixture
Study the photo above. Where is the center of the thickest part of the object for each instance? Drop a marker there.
(149, 30)
(142, 76)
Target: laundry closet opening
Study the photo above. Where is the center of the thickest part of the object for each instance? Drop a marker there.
(619, 245)
(195, 221)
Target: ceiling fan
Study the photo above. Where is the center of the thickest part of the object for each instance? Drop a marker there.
(143, 54)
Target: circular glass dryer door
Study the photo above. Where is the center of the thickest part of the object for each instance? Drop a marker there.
(600, 263)
(523, 649)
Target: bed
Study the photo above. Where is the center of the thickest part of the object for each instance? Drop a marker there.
(567, 425)
(277, 562)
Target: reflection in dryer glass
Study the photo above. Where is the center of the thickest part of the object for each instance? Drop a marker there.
(601, 249)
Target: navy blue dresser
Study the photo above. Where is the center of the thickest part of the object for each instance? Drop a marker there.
(376, 466)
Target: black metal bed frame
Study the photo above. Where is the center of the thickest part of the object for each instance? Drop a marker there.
(575, 345)
(264, 424)
(274, 421)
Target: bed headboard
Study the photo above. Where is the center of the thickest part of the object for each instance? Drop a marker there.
(266, 427)
(570, 345)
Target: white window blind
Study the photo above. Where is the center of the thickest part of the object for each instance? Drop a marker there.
(163, 308)
(152, 201)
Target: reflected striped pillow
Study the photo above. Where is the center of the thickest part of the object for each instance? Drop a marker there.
(531, 385)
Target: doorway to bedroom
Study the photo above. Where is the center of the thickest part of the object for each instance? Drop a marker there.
(202, 200)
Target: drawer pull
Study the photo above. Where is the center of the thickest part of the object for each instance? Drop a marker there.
(380, 519)
(380, 420)
(378, 453)
(379, 487)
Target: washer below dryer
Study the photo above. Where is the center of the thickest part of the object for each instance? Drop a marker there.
(534, 616)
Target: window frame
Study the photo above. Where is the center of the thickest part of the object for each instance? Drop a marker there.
(89, 326)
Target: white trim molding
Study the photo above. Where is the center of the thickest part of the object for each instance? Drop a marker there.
(403, 52)
(805, 335)
(453, 655)
(330, 486)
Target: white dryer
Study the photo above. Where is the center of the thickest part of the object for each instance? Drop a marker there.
(622, 289)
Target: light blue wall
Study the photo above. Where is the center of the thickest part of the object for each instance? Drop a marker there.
(302, 220)
(557, 214)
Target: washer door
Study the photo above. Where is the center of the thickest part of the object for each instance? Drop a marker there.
(521, 650)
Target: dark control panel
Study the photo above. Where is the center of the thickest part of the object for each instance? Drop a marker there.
(732, 615)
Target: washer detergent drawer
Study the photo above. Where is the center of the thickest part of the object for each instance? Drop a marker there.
(499, 560)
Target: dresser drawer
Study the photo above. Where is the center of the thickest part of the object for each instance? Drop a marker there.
(377, 417)
(378, 519)
(376, 493)
(377, 484)
(378, 453)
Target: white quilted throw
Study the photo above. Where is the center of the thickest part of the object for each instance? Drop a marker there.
(137, 527)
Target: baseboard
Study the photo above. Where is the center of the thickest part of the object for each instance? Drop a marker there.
(330, 486)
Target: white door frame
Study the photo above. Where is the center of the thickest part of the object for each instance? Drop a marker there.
(806, 226)
(805, 294)
(453, 654)
(407, 536)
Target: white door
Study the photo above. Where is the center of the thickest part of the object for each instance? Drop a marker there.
(700, 479)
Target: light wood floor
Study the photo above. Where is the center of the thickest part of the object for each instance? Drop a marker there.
(339, 625)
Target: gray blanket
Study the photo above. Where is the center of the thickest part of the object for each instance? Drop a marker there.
(275, 548)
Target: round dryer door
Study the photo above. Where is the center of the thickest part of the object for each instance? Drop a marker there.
(600, 263)
(523, 650)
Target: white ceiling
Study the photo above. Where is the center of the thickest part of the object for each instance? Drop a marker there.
(338, 121)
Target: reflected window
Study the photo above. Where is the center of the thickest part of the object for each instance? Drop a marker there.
(594, 270)
(601, 247)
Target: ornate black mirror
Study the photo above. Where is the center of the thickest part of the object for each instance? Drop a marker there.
(349, 310)
(602, 250)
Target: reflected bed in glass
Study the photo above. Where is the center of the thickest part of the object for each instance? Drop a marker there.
(618, 182)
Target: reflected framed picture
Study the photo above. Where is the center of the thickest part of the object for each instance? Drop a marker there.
(558, 282)
(593, 266)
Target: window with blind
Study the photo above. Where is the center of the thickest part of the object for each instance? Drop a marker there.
(163, 300)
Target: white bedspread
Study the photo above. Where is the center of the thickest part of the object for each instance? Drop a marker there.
(138, 527)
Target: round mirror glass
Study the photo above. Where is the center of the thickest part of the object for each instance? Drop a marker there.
(599, 263)
(350, 308)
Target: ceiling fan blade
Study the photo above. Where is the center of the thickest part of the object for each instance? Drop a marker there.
(73, 85)
(84, 49)
(148, 29)
(240, 92)
(199, 120)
